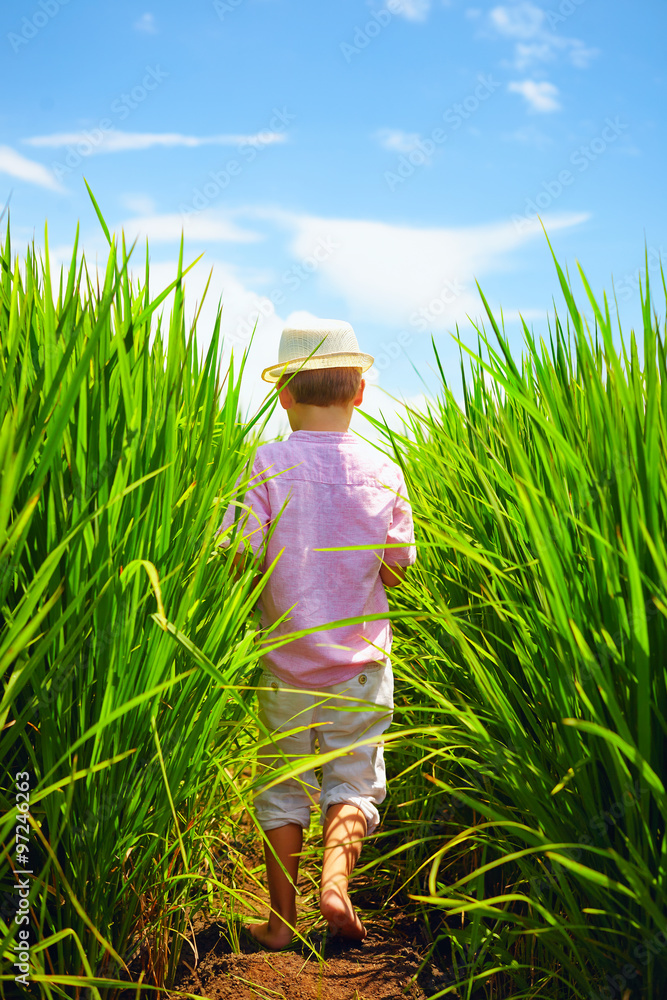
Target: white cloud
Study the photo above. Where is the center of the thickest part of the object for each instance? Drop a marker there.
(303, 317)
(423, 279)
(580, 56)
(16, 165)
(414, 10)
(241, 310)
(417, 279)
(542, 97)
(527, 25)
(114, 141)
(379, 272)
(523, 20)
(514, 315)
(396, 140)
(208, 225)
(388, 408)
(527, 55)
(411, 10)
(147, 24)
(142, 204)
(532, 53)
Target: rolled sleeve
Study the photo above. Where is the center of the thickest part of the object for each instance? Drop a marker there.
(253, 514)
(401, 533)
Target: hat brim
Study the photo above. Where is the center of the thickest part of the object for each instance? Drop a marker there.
(342, 360)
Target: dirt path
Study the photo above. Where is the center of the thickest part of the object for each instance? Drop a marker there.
(382, 967)
(225, 962)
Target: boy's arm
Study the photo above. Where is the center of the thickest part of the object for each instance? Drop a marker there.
(238, 560)
(400, 551)
(253, 528)
(392, 576)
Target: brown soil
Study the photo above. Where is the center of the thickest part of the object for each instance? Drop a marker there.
(382, 967)
(221, 960)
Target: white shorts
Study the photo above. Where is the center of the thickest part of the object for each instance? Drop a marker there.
(357, 777)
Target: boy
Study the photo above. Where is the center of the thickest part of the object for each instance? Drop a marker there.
(323, 488)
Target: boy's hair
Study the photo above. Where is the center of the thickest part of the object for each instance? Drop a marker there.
(323, 386)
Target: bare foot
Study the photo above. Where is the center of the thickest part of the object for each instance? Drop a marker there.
(271, 937)
(336, 908)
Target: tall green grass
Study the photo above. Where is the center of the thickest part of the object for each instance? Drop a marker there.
(124, 644)
(530, 644)
(541, 650)
(127, 638)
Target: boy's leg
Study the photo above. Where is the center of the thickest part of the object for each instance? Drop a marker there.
(344, 830)
(353, 784)
(284, 810)
(287, 842)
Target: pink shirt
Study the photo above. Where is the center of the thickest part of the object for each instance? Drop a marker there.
(336, 490)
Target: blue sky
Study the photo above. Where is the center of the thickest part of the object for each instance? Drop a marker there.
(357, 160)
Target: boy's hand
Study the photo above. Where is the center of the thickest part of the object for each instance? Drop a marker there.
(238, 560)
(392, 576)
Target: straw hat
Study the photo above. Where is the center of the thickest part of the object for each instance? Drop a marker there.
(326, 343)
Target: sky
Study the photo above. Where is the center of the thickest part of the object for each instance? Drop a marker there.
(366, 160)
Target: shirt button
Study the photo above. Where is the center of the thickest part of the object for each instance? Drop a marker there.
(274, 685)
(362, 678)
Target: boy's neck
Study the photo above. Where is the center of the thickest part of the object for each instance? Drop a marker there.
(303, 417)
